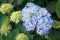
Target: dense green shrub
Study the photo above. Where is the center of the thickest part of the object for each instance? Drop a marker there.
(11, 24)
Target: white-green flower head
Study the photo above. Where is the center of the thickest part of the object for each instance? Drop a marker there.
(6, 8)
(16, 16)
(22, 36)
(5, 29)
(56, 24)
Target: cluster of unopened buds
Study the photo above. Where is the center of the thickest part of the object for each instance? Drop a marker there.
(16, 16)
(6, 8)
(5, 27)
(22, 36)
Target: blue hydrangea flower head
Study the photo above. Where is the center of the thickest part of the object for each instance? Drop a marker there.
(44, 24)
(29, 17)
(34, 16)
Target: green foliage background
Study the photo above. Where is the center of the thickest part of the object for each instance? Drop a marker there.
(53, 7)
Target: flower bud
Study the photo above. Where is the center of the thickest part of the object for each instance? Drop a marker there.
(5, 8)
(5, 27)
(16, 16)
(21, 36)
(56, 24)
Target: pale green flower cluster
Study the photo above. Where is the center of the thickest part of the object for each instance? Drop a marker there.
(5, 27)
(56, 24)
(5, 8)
(22, 36)
(16, 16)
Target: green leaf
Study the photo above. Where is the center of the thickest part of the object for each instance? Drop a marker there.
(2, 18)
(38, 37)
(30, 1)
(10, 1)
(3, 1)
(54, 35)
(18, 2)
(51, 6)
(1, 37)
(11, 35)
(58, 8)
(31, 37)
(39, 2)
(21, 28)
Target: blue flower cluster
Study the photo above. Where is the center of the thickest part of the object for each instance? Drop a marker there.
(34, 16)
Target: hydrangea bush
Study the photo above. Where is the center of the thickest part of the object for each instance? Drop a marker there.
(29, 20)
